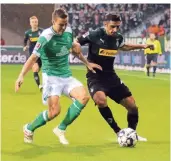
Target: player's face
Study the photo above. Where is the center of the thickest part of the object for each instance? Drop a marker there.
(60, 24)
(34, 23)
(112, 27)
(152, 36)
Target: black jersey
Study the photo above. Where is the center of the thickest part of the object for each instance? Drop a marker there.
(102, 48)
(32, 36)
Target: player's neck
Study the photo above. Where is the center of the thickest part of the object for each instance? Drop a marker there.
(152, 39)
(34, 29)
(53, 28)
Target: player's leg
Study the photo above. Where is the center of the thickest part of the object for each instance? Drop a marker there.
(42, 118)
(154, 63)
(124, 97)
(78, 93)
(36, 69)
(98, 94)
(80, 97)
(51, 92)
(148, 64)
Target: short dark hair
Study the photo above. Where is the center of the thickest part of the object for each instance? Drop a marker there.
(59, 12)
(112, 17)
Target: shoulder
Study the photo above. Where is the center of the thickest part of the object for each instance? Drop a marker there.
(157, 41)
(97, 31)
(93, 33)
(120, 36)
(68, 29)
(27, 31)
(41, 29)
(47, 33)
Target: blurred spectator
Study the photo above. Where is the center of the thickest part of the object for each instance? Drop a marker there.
(2, 42)
(153, 29)
(84, 17)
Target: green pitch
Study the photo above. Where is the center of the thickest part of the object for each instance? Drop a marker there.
(90, 137)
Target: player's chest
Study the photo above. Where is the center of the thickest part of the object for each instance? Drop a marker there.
(33, 36)
(59, 46)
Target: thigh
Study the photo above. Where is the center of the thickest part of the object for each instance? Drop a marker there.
(128, 102)
(94, 86)
(35, 67)
(72, 83)
(119, 92)
(52, 86)
(80, 94)
(154, 58)
(149, 58)
(53, 103)
(39, 63)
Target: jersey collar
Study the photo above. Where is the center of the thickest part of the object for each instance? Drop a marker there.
(54, 31)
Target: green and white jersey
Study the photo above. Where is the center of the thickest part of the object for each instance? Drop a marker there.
(54, 49)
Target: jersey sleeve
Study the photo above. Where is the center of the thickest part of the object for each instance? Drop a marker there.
(42, 41)
(26, 37)
(159, 48)
(88, 37)
(121, 42)
(147, 49)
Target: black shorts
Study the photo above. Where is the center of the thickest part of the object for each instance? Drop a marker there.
(39, 62)
(112, 87)
(151, 57)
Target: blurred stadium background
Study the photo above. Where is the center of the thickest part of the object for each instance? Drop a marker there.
(137, 21)
(91, 139)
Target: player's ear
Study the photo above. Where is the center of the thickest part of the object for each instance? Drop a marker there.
(105, 23)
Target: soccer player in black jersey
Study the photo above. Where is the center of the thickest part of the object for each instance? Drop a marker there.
(104, 44)
(32, 36)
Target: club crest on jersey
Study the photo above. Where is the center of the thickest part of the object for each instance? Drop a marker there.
(38, 45)
(63, 51)
(117, 42)
(106, 52)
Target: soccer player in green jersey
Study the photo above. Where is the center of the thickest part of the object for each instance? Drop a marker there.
(32, 36)
(53, 47)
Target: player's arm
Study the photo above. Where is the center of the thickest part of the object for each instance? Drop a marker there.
(30, 62)
(159, 48)
(27, 66)
(84, 39)
(128, 47)
(76, 51)
(26, 37)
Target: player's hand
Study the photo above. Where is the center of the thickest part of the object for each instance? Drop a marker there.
(92, 66)
(151, 46)
(18, 83)
(25, 48)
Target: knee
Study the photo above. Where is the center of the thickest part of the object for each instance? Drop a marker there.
(54, 111)
(101, 101)
(83, 99)
(131, 106)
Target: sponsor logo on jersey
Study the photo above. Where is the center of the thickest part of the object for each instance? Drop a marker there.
(33, 39)
(106, 52)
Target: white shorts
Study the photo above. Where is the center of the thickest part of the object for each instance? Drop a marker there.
(56, 86)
